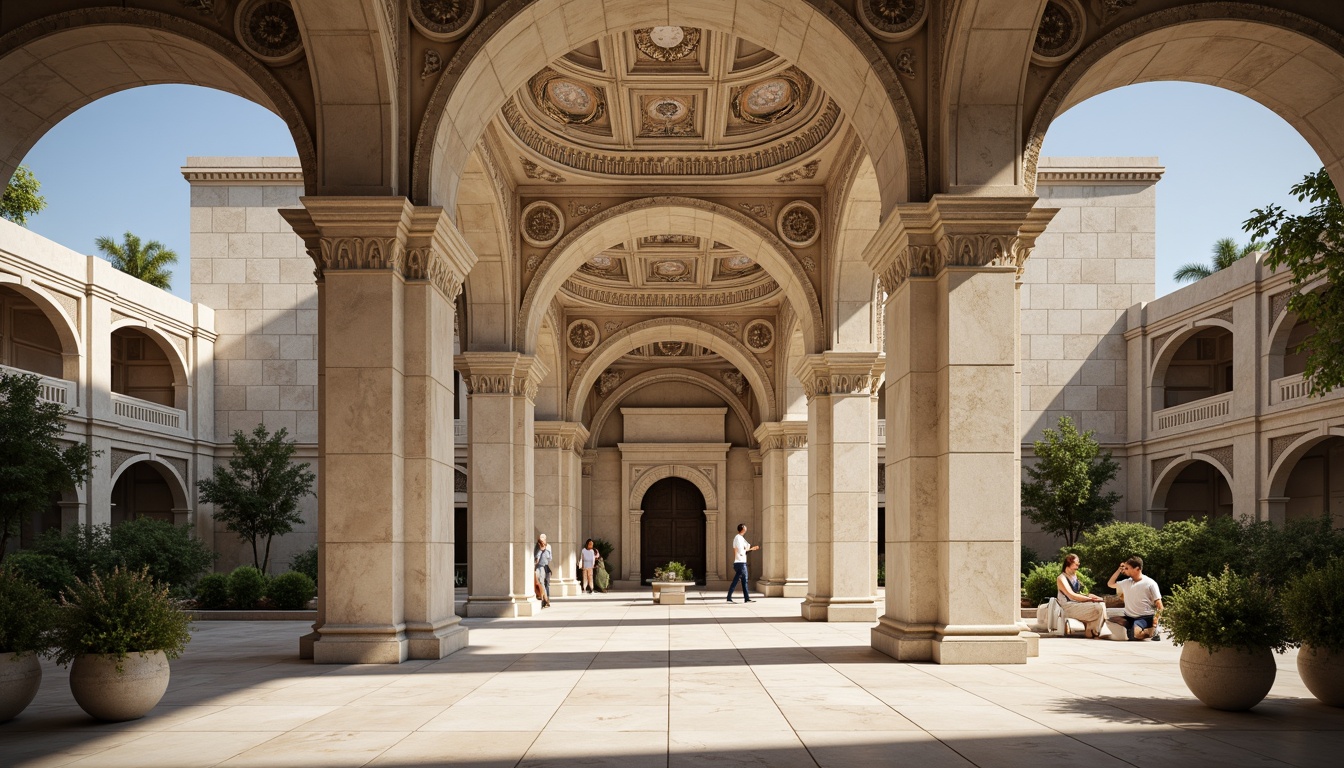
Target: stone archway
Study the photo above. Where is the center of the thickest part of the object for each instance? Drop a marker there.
(706, 479)
(672, 527)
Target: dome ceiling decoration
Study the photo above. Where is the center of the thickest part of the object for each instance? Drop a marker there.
(668, 102)
(670, 270)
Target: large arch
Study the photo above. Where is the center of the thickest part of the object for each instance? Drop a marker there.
(853, 325)
(177, 484)
(671, 329)
(66, 327)
(690, 474)
(53, 66)
(520, 36)
(670, 215)
(1288, 63)
(1282, 466)
(1164, 479)
(658, 376)
(484, 217)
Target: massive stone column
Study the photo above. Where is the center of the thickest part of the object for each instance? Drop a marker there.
(388, 276)
(783, 535)
(950, 268)
(842, 484)
(559, 459)
(501, 403)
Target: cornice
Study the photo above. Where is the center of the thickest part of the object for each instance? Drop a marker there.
(1060, 176)
(250, 176)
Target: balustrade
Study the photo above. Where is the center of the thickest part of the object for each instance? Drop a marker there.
(50, 390)
(145, 412)
(1206, 409)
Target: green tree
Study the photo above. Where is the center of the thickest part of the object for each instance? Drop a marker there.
(1064, 494)
(258, 494)
(33, 464)
(21, 198)
(1311, 246)
(1226, 252)
(148, 261)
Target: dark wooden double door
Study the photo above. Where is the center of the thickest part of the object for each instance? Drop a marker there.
(672, 528)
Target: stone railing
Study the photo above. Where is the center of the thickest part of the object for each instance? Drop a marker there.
(1289, 388)
(1193, 413)
(882, 430)
(145, 412)
(51, 390)
(459, 430)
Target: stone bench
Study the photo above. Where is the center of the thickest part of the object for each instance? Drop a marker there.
(669, 592)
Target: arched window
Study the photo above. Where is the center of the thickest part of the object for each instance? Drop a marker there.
(1201, 367)
(28, 340)
(141, 367)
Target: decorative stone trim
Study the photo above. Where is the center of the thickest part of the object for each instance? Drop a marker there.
(759, 336)
(1092, 176)
(1225, 315)
(840, 373)
(582, 336)
(782, 435)
(1059, 34)
(1223, 455)
(1161, 464)
(1279, 445)
(560, 435)
(502, 373)
(711, 298)
(542, 223)
(443, 21)
(1278, 303)
(892, 20)
(251, 176)
(269, 30)
(1159, 341)
(799, 224)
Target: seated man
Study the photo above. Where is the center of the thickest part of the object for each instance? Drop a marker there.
(1075, 604)
(1143, 599)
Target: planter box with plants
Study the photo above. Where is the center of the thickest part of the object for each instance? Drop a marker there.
(26, 616)
(1314, 605)
(118, 632)
(1228, 626)
(669, 583)
(252, 592)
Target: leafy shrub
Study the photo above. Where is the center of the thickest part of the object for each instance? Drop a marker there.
(603, 547)
(674, 571)
(1040, 583)
(1314, 606)
(1226, 611)
(172, 555)
(247, 585)
(1277, 553)
(118, 614)
(47, 572)
(1030, 558)
(83, 548)
(291, 591)
(1106, 546)
(306, 563)
(26, 614)
(212, 591)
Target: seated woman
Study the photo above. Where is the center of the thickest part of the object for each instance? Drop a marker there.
(1074, 604)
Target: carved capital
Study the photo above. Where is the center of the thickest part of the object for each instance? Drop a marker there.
(501, 373)
(840, 373)
(782, 435)
(560, 435)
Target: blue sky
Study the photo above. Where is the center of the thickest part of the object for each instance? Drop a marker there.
(113, 165)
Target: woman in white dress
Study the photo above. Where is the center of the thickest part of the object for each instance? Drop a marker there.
(588, 557)
(1076, 604)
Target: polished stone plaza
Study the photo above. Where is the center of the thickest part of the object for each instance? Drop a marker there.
(615, 680)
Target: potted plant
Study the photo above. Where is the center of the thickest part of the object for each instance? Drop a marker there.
(26, 616)
(1314, 606)
(119, 630)
(602, 576)
(1228, 625)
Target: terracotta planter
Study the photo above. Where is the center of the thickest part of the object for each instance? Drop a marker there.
(1230, 679)
(114, 696)
(20, 677)
(1322, 672)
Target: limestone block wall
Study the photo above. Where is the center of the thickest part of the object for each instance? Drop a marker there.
(1094, 261)
(249, 266)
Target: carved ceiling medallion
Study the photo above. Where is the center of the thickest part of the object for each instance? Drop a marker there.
(565, 100)
(892, 20)
(667, 116)
(667, 44)
(542, 224)
(269, 30)
(739, 262)
(773, 99)
(759, 336)
(582, 335)
(444, 20)
(798, 224)
(1060, 32)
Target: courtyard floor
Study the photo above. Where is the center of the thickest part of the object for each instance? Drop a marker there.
(612, 680)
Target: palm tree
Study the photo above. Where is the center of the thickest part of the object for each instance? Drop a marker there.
(1225, 253)
(148, 262)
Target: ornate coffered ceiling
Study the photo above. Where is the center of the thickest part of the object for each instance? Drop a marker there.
(670, 104)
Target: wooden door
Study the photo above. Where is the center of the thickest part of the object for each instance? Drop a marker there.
(672, 528)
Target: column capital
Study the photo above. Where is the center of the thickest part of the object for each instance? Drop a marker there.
(774, 435)
(951, 231)
(840, 373)
(501, 373)
(419, 243)
(564, 435)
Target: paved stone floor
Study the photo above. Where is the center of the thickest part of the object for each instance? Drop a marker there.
(616, 681)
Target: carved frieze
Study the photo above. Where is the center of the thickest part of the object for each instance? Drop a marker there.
(424, 263)
(579, 210)
(1110, 8)
(808, 171)
(357, 253)
(444, 20)
(708, 298)
(534, 171)
(1158, 341)
(787, 440)
(269, 30)
(912, 261)
(759, 210)
(518, 385)
(119, 456)
(905, 62)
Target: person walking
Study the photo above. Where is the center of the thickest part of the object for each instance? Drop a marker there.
(740, 550)
(588, 557)
(542, 554)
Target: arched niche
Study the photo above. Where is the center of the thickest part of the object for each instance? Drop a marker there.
(36, 334)
(145, 364)
(1309, 479)
(679, 216)
(1196, 485)
(671, 329)
(147, 486)
(522, 36)
(1194, 364)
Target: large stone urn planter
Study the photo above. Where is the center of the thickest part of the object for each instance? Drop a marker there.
(1229, 679)
(114, 696)
(1322, 672)
(20, 677)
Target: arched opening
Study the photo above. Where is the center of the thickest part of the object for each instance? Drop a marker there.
(1200, 368)
(29, 341)
(1198, 490)
(142, 368)
(1295, 353)
(1315, 484)
(144, 489)
(672, 527)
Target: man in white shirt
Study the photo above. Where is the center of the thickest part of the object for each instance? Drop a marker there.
(740, 550)
(1143, 599)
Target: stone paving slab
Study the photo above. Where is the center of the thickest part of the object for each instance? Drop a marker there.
(614, 680)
